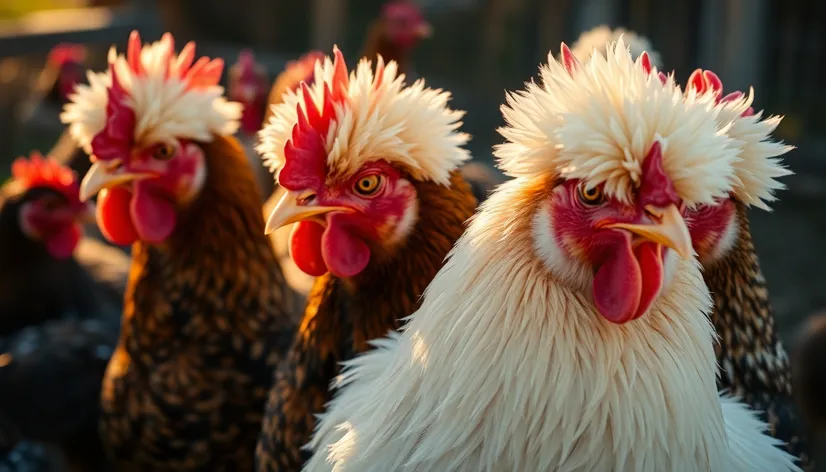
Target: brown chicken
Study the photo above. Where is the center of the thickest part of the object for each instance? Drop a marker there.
(754, 364)
(378, 204)
(203, 323)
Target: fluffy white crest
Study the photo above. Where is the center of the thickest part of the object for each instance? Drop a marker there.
(165, 106)
(759, 165)
(409, 125)
(599, 123)
(596, 40)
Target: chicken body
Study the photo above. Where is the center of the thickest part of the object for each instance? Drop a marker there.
(342, 315)
(550, 339)
(204, 319)
(753, 362)
(203, 326)
(373, 221)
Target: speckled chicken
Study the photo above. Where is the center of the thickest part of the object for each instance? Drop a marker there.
(370, 173)
(204, 321)
(60, 302)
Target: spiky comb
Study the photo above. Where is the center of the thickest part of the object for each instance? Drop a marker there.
(759, 165)
(598, 123)
(39, 171)
(171, 96)
(66, 52)
(343, 120)
(246, 62)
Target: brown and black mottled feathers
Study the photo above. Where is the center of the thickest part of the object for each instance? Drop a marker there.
(343, 315)
(204, 326)
(754, 364)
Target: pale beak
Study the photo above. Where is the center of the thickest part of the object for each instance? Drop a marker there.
(288, 211)
(670, 230)
(99, 177)
(424, 30)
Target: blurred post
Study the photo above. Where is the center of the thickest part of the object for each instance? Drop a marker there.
(329, 20)
(743, 50)
(596, 12)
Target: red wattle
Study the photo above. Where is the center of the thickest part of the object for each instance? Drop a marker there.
(345, 253)
(649, 258)
(62, 244)
(617, 286)
(154, 218)
(305, 248)
(113, 216)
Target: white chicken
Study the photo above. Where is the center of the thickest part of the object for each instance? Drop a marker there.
(564, 333)
(598, 39)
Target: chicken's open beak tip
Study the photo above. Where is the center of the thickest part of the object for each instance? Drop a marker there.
(671, 231)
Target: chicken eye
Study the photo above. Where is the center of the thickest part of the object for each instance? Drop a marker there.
(164, 152)
(590, 196)
(368, 185)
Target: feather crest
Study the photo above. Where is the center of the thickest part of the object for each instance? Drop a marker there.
(172, 95)
(376, 117)
(598, 122)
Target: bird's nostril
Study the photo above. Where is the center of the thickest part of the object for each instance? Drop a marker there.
(306, 199)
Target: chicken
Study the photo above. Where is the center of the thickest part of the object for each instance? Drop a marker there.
(569, 328)
(247, 84)
(753, 362)
(64, 69)
(395, 34)
(598, 39)
(204, 322)
(40, 227)
(60, 303)
(370, 173)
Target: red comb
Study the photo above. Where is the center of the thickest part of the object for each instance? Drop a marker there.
(306, 158)
(116, 138)
(65, 53)
(704, 80)
(570, 61)
(656, 188)
(39, 171)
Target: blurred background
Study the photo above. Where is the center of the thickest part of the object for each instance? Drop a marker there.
(479, 49)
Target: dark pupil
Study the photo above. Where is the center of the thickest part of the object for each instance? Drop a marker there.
(365, 184)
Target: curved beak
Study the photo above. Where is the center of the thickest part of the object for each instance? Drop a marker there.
(290, 209)
(424, 30)
(100, 177)
(669, 229)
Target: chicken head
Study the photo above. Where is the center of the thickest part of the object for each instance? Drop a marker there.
(50, 210)
(146, 152)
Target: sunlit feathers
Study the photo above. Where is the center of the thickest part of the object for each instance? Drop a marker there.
(172, 96)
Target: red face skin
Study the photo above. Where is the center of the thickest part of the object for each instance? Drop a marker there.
(55, 221)
(341, 242)
(404, 24)
(709, 225)
(628, 269)
(146, 208)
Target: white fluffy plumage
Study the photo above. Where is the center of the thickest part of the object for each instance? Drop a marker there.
(165, 107)
(411, 125)
(508, 366)
(596, 40)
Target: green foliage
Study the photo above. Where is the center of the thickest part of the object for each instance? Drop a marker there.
(11, 9)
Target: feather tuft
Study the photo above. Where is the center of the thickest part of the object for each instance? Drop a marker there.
(170, 96)
(372, 116)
